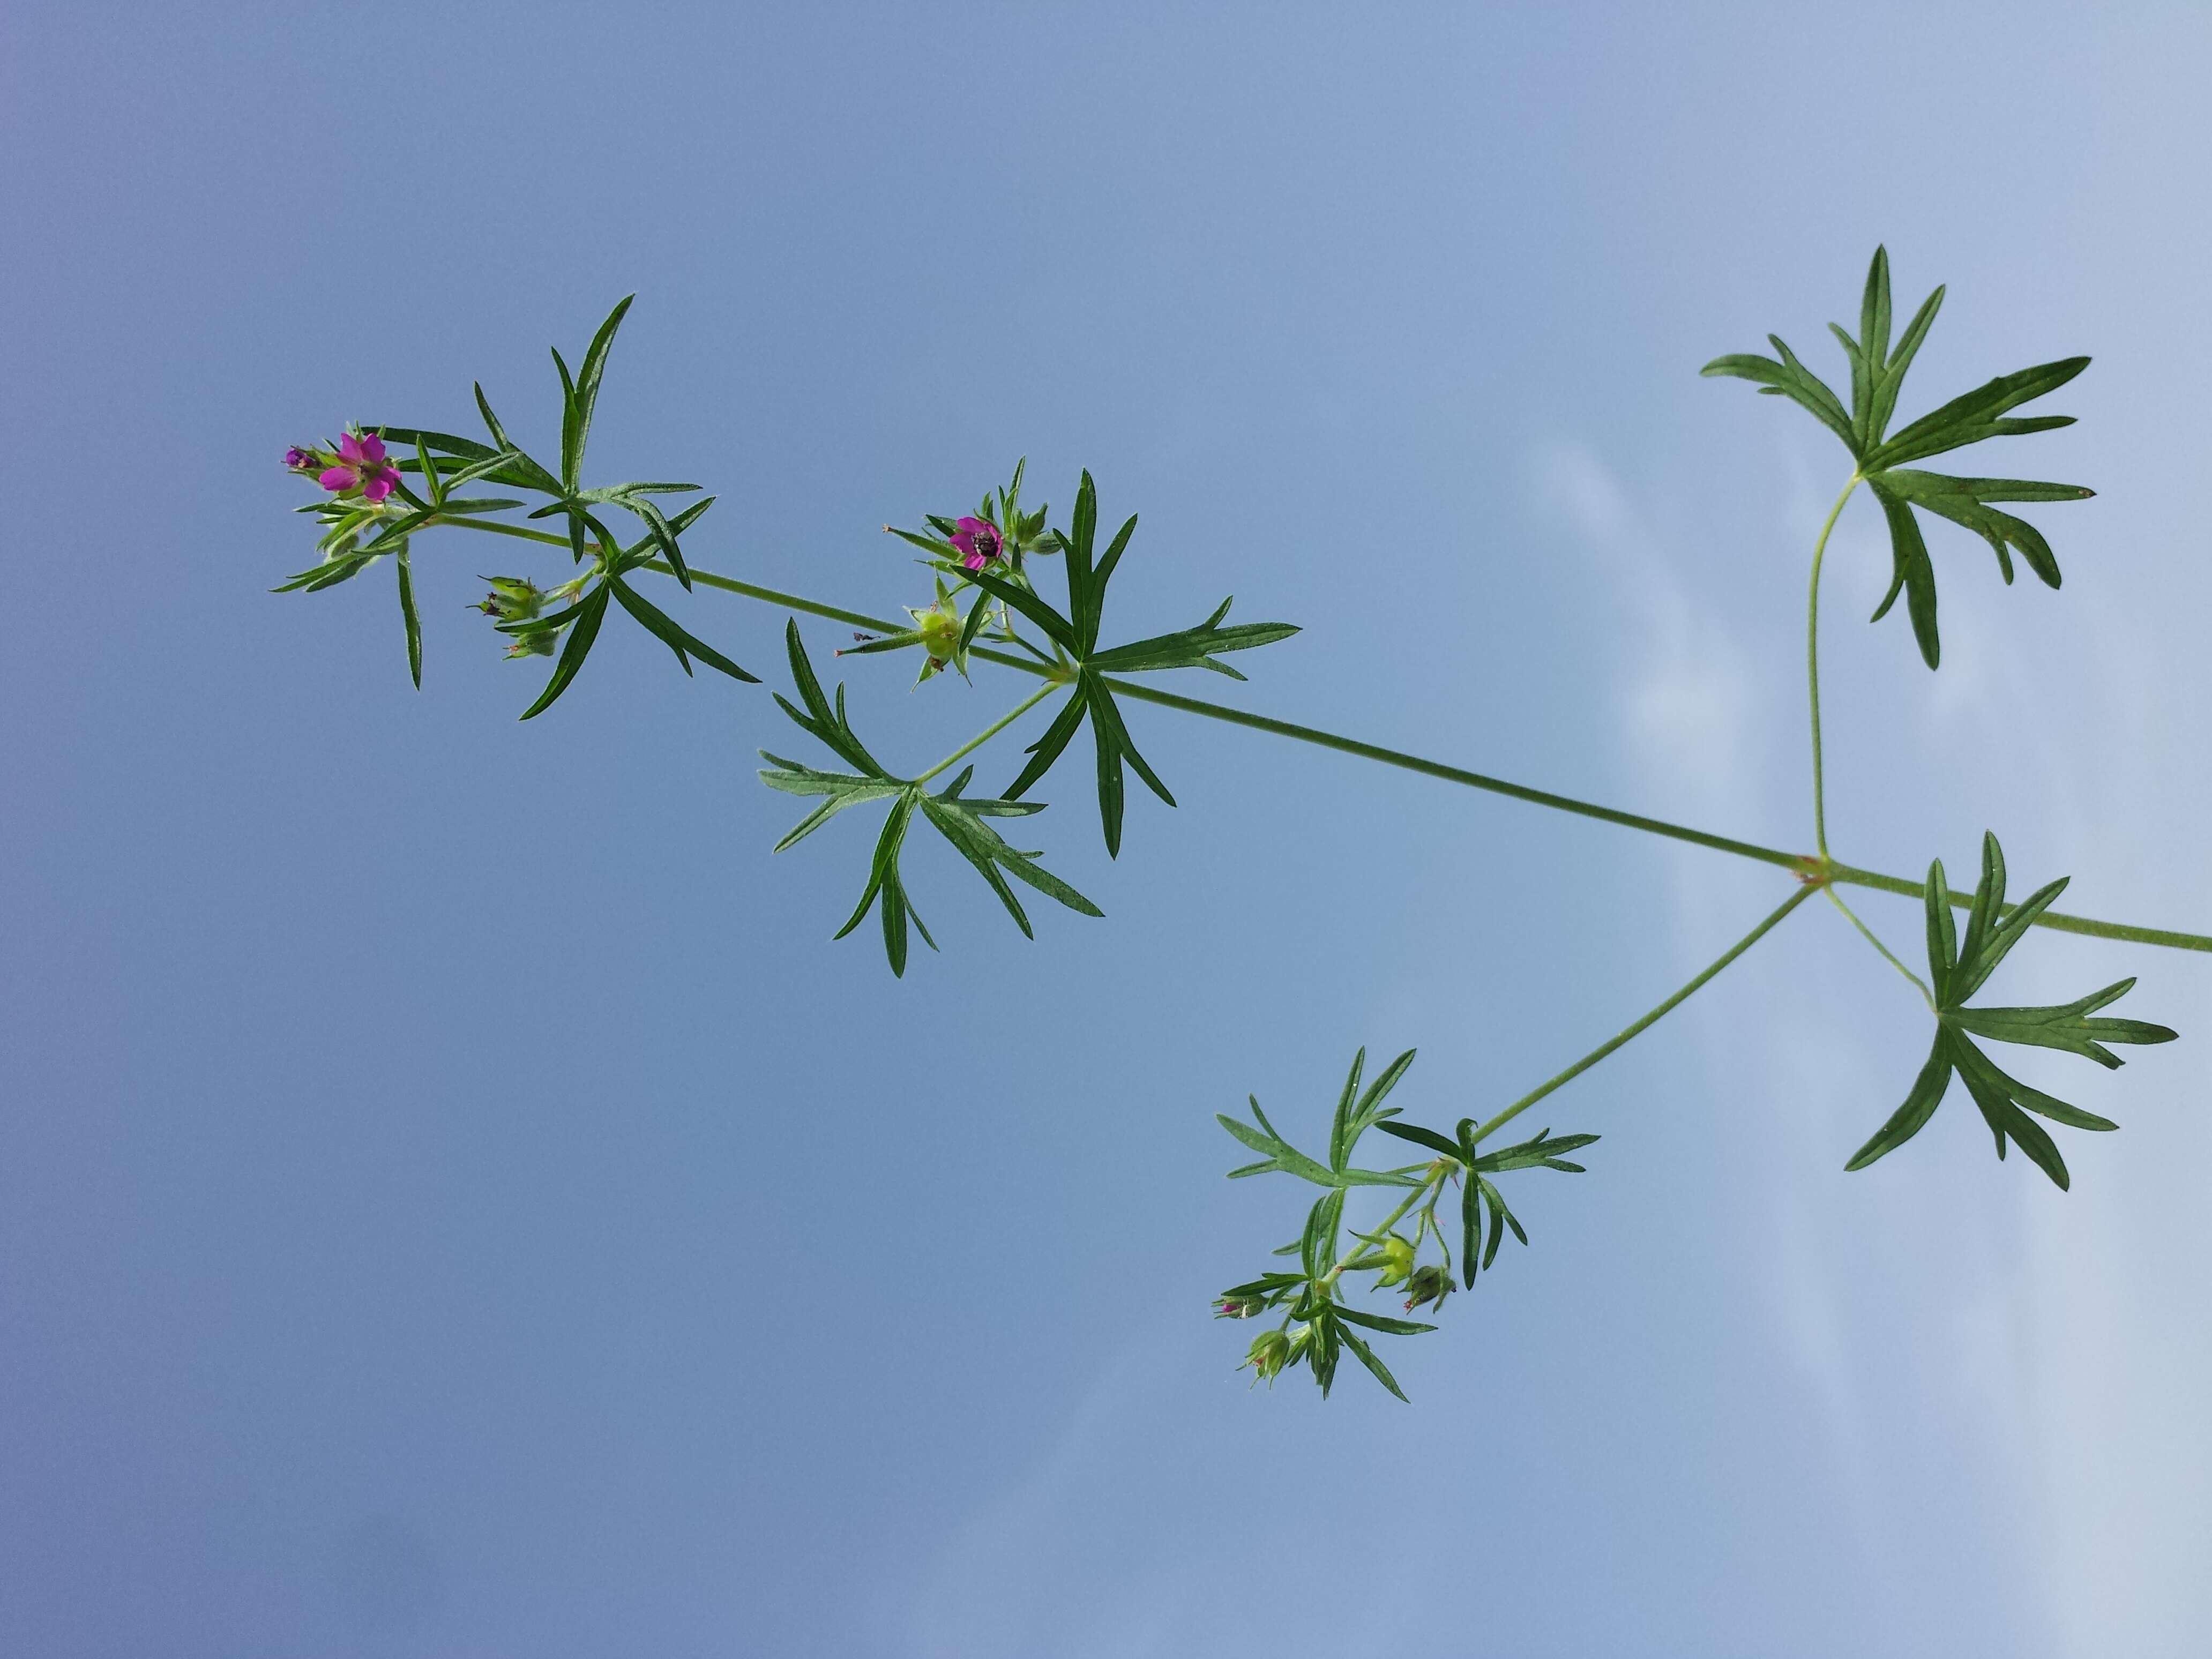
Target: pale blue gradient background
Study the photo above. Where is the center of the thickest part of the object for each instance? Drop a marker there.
(455, 1200)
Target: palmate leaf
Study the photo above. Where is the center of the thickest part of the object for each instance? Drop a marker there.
(1957, 970)
(1877, 371)
(1075, 634)
(949, 811)
(1357, 1111)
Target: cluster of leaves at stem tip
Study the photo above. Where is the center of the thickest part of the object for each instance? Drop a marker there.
(372, 513)
(986, 607)
(1317, 1322)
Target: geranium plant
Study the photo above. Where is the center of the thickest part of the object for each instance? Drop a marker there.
(1439, 1219)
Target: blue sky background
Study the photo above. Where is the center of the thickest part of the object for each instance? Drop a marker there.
(456, 1199)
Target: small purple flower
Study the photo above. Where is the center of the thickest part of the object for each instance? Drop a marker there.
(299, 459)
(361, 464)
(979, 542)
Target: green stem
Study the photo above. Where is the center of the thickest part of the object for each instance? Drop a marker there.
(1389, 1221)
(491, 526)
(787, 601)
(1867, 934)
(1636, 1029)
(1405, 762)
(992, 730)
(1801, 863)
(1813, 667)
(2127, 931)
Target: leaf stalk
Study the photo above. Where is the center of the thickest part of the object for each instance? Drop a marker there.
(1813, 667)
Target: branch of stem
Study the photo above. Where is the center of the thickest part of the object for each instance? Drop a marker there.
(1636, 1029)
(1809, 866)
(1887, 955)
(992, 730)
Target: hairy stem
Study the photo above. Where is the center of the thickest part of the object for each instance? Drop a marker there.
(1887, 955)
(493, 527)
(1404, 762)
(1802, 863)
(992, 730)
(1637, 1028)
(787, 601)
(1813, 667)
(1336, 1269)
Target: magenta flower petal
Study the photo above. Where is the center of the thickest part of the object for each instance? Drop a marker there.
(339, 477)
(378, 487)
(371, 448)
(977, 541)
(349, 447)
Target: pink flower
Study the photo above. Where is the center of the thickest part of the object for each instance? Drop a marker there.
(978, 541)
(361, 464)
(298, 459)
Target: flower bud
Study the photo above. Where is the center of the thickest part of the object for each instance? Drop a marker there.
(1239, 1306)
(1397, 1261)
(1270, 1351)
(512, 598)
(939, 627)
(1431, 1284)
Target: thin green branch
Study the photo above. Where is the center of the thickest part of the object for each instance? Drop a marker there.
(1638, 1028)
(787, 601)
(1813, 666)
(1405, 762)
(1887, 955)
(992, 730)
(492, 526)
(1336, 1268)
(1802, 864)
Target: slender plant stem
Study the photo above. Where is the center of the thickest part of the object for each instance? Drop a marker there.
(787, 601)
(992, 730)
(1887, 955)
(1802, 863)
(1389, 1221)
(1630, 1032)
(1404, 762)
(492, 526)
(1813, 666)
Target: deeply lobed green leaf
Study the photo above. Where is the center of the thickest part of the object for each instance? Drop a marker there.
(1958, 967)
(1877, 373)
